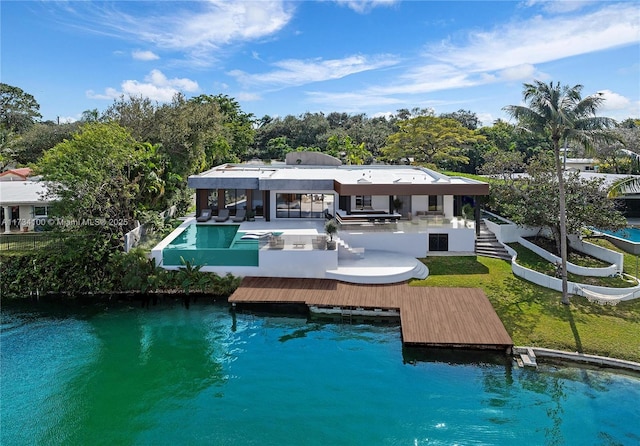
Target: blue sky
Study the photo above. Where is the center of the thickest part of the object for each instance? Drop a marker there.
(280, 57)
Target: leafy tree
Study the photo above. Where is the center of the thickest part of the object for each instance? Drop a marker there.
(92, 115)
(430, 140)
(534, 200)
(99, 180)
(560, 114)
(344, 148)
(238, 126)
(277, 149)
(39, 138)
(18, 110)
(465, 117)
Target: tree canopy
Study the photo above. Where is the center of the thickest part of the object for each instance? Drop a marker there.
(431, 141)
(18, 110)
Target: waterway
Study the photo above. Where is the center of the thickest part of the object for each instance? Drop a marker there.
(119, 374)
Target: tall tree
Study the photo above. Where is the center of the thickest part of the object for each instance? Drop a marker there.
(430, 140)
(100, 179)
(18, 110)
(561, 114)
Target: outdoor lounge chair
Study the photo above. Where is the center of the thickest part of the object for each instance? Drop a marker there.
(205, 215)
(223, 215)
(240, 215)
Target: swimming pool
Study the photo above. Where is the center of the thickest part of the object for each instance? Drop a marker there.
(212, 245)
(627, 239)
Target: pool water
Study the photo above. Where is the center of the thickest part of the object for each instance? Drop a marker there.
(205, 236)
(211, 245)
(204, 376)
(630, 234)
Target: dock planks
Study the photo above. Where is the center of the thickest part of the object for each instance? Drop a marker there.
(442, 317)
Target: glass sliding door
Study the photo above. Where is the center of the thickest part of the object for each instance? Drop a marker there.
(303, 205)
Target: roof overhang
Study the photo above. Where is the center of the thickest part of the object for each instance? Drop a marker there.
(412, 189)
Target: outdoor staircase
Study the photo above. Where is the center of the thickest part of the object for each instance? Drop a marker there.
(346, 251)
(488, 245)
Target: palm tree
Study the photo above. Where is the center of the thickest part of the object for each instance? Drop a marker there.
(561, 114)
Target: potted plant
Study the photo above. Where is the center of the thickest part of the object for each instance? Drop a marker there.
(397, 204)
(251, 216)
(331, 227)
(467, 212)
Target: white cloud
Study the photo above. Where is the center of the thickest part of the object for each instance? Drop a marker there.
(618, 107)
(67, 119)
(299, 72)
(248, 97)
(144, 55)
(363, 6)
(199, 29)
(614, 101)
(510, 52)
(156, 86)
(519, 72)
(559, 6)
(542, 39)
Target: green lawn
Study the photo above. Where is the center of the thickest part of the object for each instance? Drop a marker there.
(533, 261)
(534, 316)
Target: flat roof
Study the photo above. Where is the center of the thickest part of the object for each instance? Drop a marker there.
(344, 179)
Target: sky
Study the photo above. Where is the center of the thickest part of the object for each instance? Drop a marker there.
(281, 58)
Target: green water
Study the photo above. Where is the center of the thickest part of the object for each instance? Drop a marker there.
(172, 376)
(211, 245)
(205, 236)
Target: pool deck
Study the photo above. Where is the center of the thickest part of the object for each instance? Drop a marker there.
(430, 317)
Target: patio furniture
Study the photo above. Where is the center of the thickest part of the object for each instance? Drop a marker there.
(205, 215)
(223, 215)
(240, 215)
(276, 242)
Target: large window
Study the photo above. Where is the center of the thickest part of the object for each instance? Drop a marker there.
(363, 202)
(235, 199)
(436, 203)
(303, 205)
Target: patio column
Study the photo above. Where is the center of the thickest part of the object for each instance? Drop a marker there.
(7, 219)
(477, 213)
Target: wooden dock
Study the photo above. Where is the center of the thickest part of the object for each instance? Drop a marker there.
(435, 317)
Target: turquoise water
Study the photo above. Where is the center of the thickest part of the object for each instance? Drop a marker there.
(205, 236)
(171, 376)
(631, 234)
(211, 245)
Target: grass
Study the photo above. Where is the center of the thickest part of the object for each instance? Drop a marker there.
(531, 260)
(534, 316)
(631, 264)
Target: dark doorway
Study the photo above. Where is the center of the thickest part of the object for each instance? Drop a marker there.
(438, 242)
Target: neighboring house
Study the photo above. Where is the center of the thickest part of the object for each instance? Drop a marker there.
(19, 174)
(629, 199)
(581, 164)
(22, 202)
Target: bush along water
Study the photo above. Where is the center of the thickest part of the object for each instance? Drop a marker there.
(66, 273)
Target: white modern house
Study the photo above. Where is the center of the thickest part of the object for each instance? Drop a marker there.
(403, 211)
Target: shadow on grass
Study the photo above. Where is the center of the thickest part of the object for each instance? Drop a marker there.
(574, 329)
(454, 265)
(515, 302)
